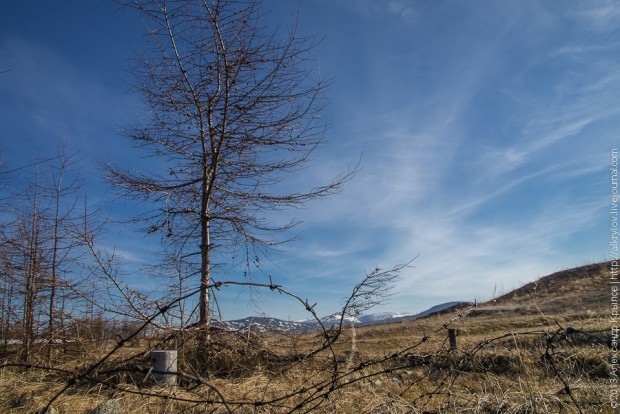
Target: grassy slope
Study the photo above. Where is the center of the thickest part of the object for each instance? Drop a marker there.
(513, 356)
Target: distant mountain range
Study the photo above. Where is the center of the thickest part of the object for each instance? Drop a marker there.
(586, 287)
(264, 324)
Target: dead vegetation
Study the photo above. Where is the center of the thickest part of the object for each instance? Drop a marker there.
(541, 351)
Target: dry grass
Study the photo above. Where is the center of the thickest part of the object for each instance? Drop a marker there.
(514, 356)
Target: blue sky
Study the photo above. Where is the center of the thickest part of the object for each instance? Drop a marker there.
(484, 130)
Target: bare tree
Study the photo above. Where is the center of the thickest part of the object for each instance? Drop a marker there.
(233, 110)
(64, 188)
(30, 229)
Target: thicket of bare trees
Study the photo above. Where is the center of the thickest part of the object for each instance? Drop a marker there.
(39, 252)
(49, 292)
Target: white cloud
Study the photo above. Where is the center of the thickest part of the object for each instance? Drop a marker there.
(403, 8)
(373, 9)
(600, 15)
(581, 51)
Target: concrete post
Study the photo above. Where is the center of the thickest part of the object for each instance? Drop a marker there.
(164, 366)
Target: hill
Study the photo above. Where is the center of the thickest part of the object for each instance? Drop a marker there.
(568, 292)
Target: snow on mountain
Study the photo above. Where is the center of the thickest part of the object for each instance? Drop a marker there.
(265, 324)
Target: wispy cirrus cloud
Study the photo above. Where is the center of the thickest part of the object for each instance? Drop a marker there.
(483, 175)
(602, 15)
(483, 131)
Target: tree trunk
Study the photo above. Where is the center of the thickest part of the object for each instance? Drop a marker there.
(54, 281)
(31, 272)
(205, 275)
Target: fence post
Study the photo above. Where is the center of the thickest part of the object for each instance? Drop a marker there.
(164, 366)
(452, 338)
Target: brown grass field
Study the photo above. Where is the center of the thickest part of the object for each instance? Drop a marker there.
(538, 349)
